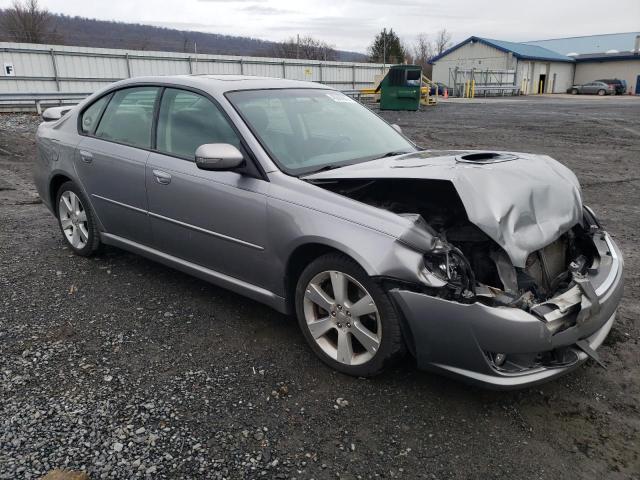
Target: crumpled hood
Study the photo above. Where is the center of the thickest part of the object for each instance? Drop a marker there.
(522, 201)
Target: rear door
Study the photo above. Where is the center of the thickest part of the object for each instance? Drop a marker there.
(110, 159)
(591, 88)
(214, 219)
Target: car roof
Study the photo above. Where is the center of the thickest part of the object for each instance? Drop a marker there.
(219, 84)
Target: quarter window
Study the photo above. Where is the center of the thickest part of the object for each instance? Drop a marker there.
(91, 114)
(129, 116)
(187, 120)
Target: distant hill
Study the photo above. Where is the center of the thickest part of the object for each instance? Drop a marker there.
(86, 32)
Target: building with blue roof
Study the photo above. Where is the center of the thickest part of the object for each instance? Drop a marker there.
(591, 44)
(542, 66)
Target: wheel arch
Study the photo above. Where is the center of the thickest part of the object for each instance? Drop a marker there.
(304, 254)
(58, 179)
(54, 185)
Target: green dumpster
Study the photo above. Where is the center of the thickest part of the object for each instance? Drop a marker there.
(400, 88)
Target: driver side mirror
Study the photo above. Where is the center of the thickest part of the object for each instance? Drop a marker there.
(218, 156)
(55, 113)
(396, 127)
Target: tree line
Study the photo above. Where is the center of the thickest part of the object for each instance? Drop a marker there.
(25, 21)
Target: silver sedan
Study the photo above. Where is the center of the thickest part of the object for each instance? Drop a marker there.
(593, 88)
(483, 265)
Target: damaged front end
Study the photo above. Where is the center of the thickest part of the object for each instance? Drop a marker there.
(500, 318)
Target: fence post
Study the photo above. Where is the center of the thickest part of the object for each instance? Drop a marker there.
(190, 65)
(320, 67)
(353, 77)
(126, 58)
(55, 68)
(241, 67)
(284, 69)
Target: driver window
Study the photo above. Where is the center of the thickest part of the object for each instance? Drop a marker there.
(187, 120)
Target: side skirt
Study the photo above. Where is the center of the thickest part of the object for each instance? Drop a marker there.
(225, 281)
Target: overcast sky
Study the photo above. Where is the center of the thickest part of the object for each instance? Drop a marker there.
(351, 24)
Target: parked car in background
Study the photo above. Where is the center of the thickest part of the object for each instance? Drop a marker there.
(620, 86)
(440, 86)
(484, 265)
(592, 88)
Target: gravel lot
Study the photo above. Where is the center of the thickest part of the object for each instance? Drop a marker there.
(124, 368)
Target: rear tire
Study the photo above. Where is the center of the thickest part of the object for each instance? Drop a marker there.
(346, 317)
(574, 91)
(76, 219)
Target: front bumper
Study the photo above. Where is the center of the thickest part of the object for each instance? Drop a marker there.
(456, 339)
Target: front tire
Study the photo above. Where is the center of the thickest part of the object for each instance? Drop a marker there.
(574, 91)
(76, 220)
(602, 93)
(346, 317)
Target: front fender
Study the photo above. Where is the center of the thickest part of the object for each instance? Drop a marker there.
(378, 253)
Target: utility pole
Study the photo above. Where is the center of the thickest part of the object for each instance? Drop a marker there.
(384, 48)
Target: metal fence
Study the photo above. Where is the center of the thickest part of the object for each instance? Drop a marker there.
(53, 74)
(482, 82)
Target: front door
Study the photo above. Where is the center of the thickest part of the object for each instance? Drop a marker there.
(214, 219)
(638, 85)
(542, 84)
(111, 158)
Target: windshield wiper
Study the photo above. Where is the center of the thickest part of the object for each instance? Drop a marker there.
(327, 168)
(392, 154)
(334, 166)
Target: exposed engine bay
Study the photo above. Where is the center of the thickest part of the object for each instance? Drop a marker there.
(474, 266)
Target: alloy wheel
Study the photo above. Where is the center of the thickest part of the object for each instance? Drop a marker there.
(342, 317)
(73, 219)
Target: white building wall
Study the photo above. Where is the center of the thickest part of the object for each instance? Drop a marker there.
(564, 76)
(482, 57)
(524, 74)
(472, 55)
(528, 76)
(623, 69)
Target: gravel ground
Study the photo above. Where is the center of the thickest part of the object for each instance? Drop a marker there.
(124, 368)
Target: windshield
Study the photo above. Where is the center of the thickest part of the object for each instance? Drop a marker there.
(305, 130)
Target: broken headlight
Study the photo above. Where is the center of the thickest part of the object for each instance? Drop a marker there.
(591, 221)
(450, 266)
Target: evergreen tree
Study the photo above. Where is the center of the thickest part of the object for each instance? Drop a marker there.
(387, 47)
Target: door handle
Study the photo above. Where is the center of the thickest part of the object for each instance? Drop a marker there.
(87, 157)
(163, 178)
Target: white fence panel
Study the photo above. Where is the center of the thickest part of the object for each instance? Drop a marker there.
(46, 69)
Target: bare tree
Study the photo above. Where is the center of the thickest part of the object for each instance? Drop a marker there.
(442, 41)
(26, 22)
(409, 58)
(422, 50)
(307, 48)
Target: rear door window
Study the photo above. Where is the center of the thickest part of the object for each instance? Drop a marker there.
(129, 117)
